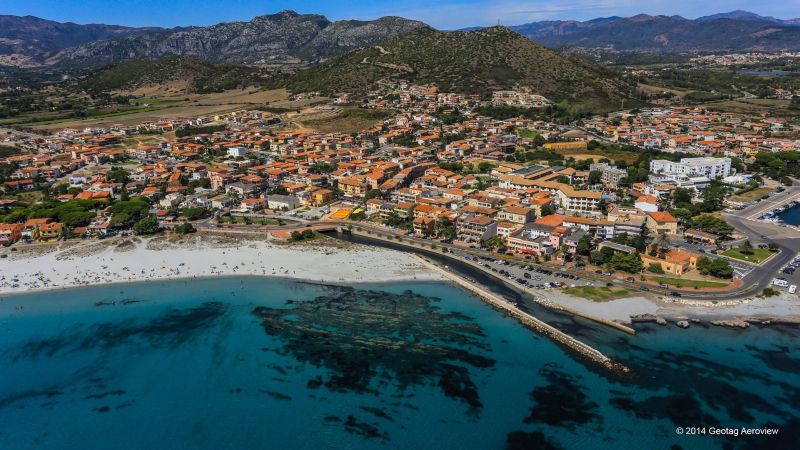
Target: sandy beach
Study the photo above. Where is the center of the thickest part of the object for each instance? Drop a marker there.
(129, 259)
(784, 307)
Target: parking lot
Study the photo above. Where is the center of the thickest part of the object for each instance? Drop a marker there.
(533, 277)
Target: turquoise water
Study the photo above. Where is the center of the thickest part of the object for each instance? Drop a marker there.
(260, 363)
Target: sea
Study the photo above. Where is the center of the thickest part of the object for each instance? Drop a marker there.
(264, 363)
(790, 216)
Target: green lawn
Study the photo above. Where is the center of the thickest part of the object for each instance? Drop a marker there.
(681, 283)
(525, 133)
(598, 293)
(241, 220)
(759, 254)
(750, 196)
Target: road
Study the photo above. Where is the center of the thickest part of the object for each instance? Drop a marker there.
(758, 232)
(755, 278)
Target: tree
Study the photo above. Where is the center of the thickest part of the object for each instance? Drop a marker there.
(655, 268)
(626, 262)
(125, 213)
(712, 224)
(595, 177)
(746, 248)
(195, 213)
(446, 230)
(662, 243)
(297, 236)
(147, 225)
(279, 190)
(185, 228)
(713, 197)
(373, 193)
(546, 210)
(719, 268)
(584, 245)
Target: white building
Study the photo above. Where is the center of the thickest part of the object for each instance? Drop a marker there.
(707, 167)
(236, 151)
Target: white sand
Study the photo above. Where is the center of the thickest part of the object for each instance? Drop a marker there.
(115, 260)
(785, 306)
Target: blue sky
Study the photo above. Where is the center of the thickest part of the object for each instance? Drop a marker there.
(443, 14)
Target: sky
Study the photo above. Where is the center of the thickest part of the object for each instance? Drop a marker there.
(442, 14)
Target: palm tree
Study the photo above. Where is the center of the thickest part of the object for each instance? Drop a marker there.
(662, 243)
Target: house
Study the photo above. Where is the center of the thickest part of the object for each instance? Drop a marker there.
(222, 201)
(171, 200)
(30, 229)
(241, 189)
(10, 233)
(50, 231)
(321, 196)
(251, 204)
(661, 222)
(424, 226)
(646, 203)
(674, 262)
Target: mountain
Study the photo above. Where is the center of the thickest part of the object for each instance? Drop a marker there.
(285, 38)
(738, 15)
(29, 41)
(465, 61)
(734, 31)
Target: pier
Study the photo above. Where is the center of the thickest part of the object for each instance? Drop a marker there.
(528, 320)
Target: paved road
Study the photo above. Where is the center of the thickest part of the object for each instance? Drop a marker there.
(787, 239)
(755, 279)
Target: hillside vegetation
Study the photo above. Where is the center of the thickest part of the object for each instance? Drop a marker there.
(471, 62)
(200, 76)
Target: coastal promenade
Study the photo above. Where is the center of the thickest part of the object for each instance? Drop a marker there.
(754, 282)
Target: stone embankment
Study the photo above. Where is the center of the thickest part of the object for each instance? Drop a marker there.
(530, 321)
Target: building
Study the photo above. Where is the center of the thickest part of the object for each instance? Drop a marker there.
(287, 202)
(700, 236)
(530, 241)
(674, 262)
(424, 226)
(661, 222)
(30, 230)
(693, 167)
(10, 233)
(352, 187)
(646, 203)
(517, 214)
(609, 175)
(50, 231)
(475, 229)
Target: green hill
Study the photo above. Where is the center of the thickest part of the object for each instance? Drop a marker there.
(469, 61)
(201, 76)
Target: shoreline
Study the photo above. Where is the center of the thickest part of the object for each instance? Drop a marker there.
(73, 264)
(529, 321)
(115, 261)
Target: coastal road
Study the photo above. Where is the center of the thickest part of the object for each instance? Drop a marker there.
(754, 281)
(786, 238)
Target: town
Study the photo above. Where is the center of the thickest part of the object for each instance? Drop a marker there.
(439, 168)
